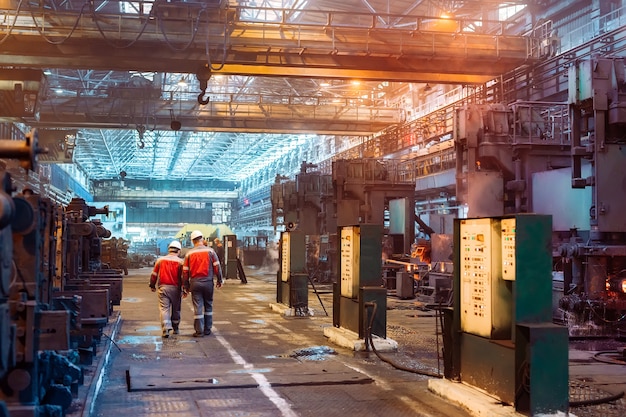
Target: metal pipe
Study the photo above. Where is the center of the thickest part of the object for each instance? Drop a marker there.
(409, 267)
(518, 177)
(24, 151)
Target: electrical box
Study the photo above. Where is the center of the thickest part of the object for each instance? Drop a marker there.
(230, 257)
(402, 223)
(292, 283)
(485, 297)
(286, 257)
(293, 254)
(360, 280)
(350, 260)
(499, 335)
(508, 249)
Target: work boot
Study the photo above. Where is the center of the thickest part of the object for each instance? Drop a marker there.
(175, 329)
(166, 333)
(198, 325)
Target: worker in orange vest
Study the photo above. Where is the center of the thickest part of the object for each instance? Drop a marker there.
(201, 266)
(167, 274)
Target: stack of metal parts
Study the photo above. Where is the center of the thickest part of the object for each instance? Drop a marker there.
(115, 254)
(55, 297)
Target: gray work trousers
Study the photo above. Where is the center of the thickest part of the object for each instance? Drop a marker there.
(202, 297)
(169, 306)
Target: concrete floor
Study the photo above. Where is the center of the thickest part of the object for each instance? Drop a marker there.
(258, 362)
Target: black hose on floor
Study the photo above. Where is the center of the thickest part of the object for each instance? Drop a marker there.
(370, 342)
(603, 400)
(596, 401)
(598, 356)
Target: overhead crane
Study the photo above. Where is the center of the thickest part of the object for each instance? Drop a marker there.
(208, 38)
(329, 47)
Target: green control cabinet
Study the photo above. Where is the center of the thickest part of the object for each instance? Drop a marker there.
(500, 336)
(292, 285)
(359, 285)
(230, 257)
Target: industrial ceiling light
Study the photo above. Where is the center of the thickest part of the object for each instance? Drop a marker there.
(427, 87)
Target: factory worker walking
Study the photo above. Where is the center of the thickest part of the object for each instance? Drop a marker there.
(167, 275)
(200, 267)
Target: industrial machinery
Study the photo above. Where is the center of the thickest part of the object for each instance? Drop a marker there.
(432, 269)
(254, 250)
(85, 275)
(499, 335)
(44, 315)
(593, 255)
(359, 284)
(115, 254)
(230, 257)
(363, 191)
(36, 381)
(292, 285)
(379, 192)
(563, 159)
(305, 204)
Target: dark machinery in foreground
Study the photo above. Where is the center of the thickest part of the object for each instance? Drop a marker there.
(51, 314)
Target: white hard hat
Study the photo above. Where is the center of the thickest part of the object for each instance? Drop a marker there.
(175, 244)
(196, 234)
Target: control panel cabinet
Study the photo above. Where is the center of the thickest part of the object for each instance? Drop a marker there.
(499, 336)
(230, 257)
(292, 283)
(360, 281)
(350, 261)
(485, 296)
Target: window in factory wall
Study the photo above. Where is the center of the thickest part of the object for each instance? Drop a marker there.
(508, 11)
(141, 8)
(200, 205)
(158, 204)
(221, 213)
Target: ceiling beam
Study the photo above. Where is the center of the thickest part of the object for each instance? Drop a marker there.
(321, 44)
(462, 67)
(282, 114)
